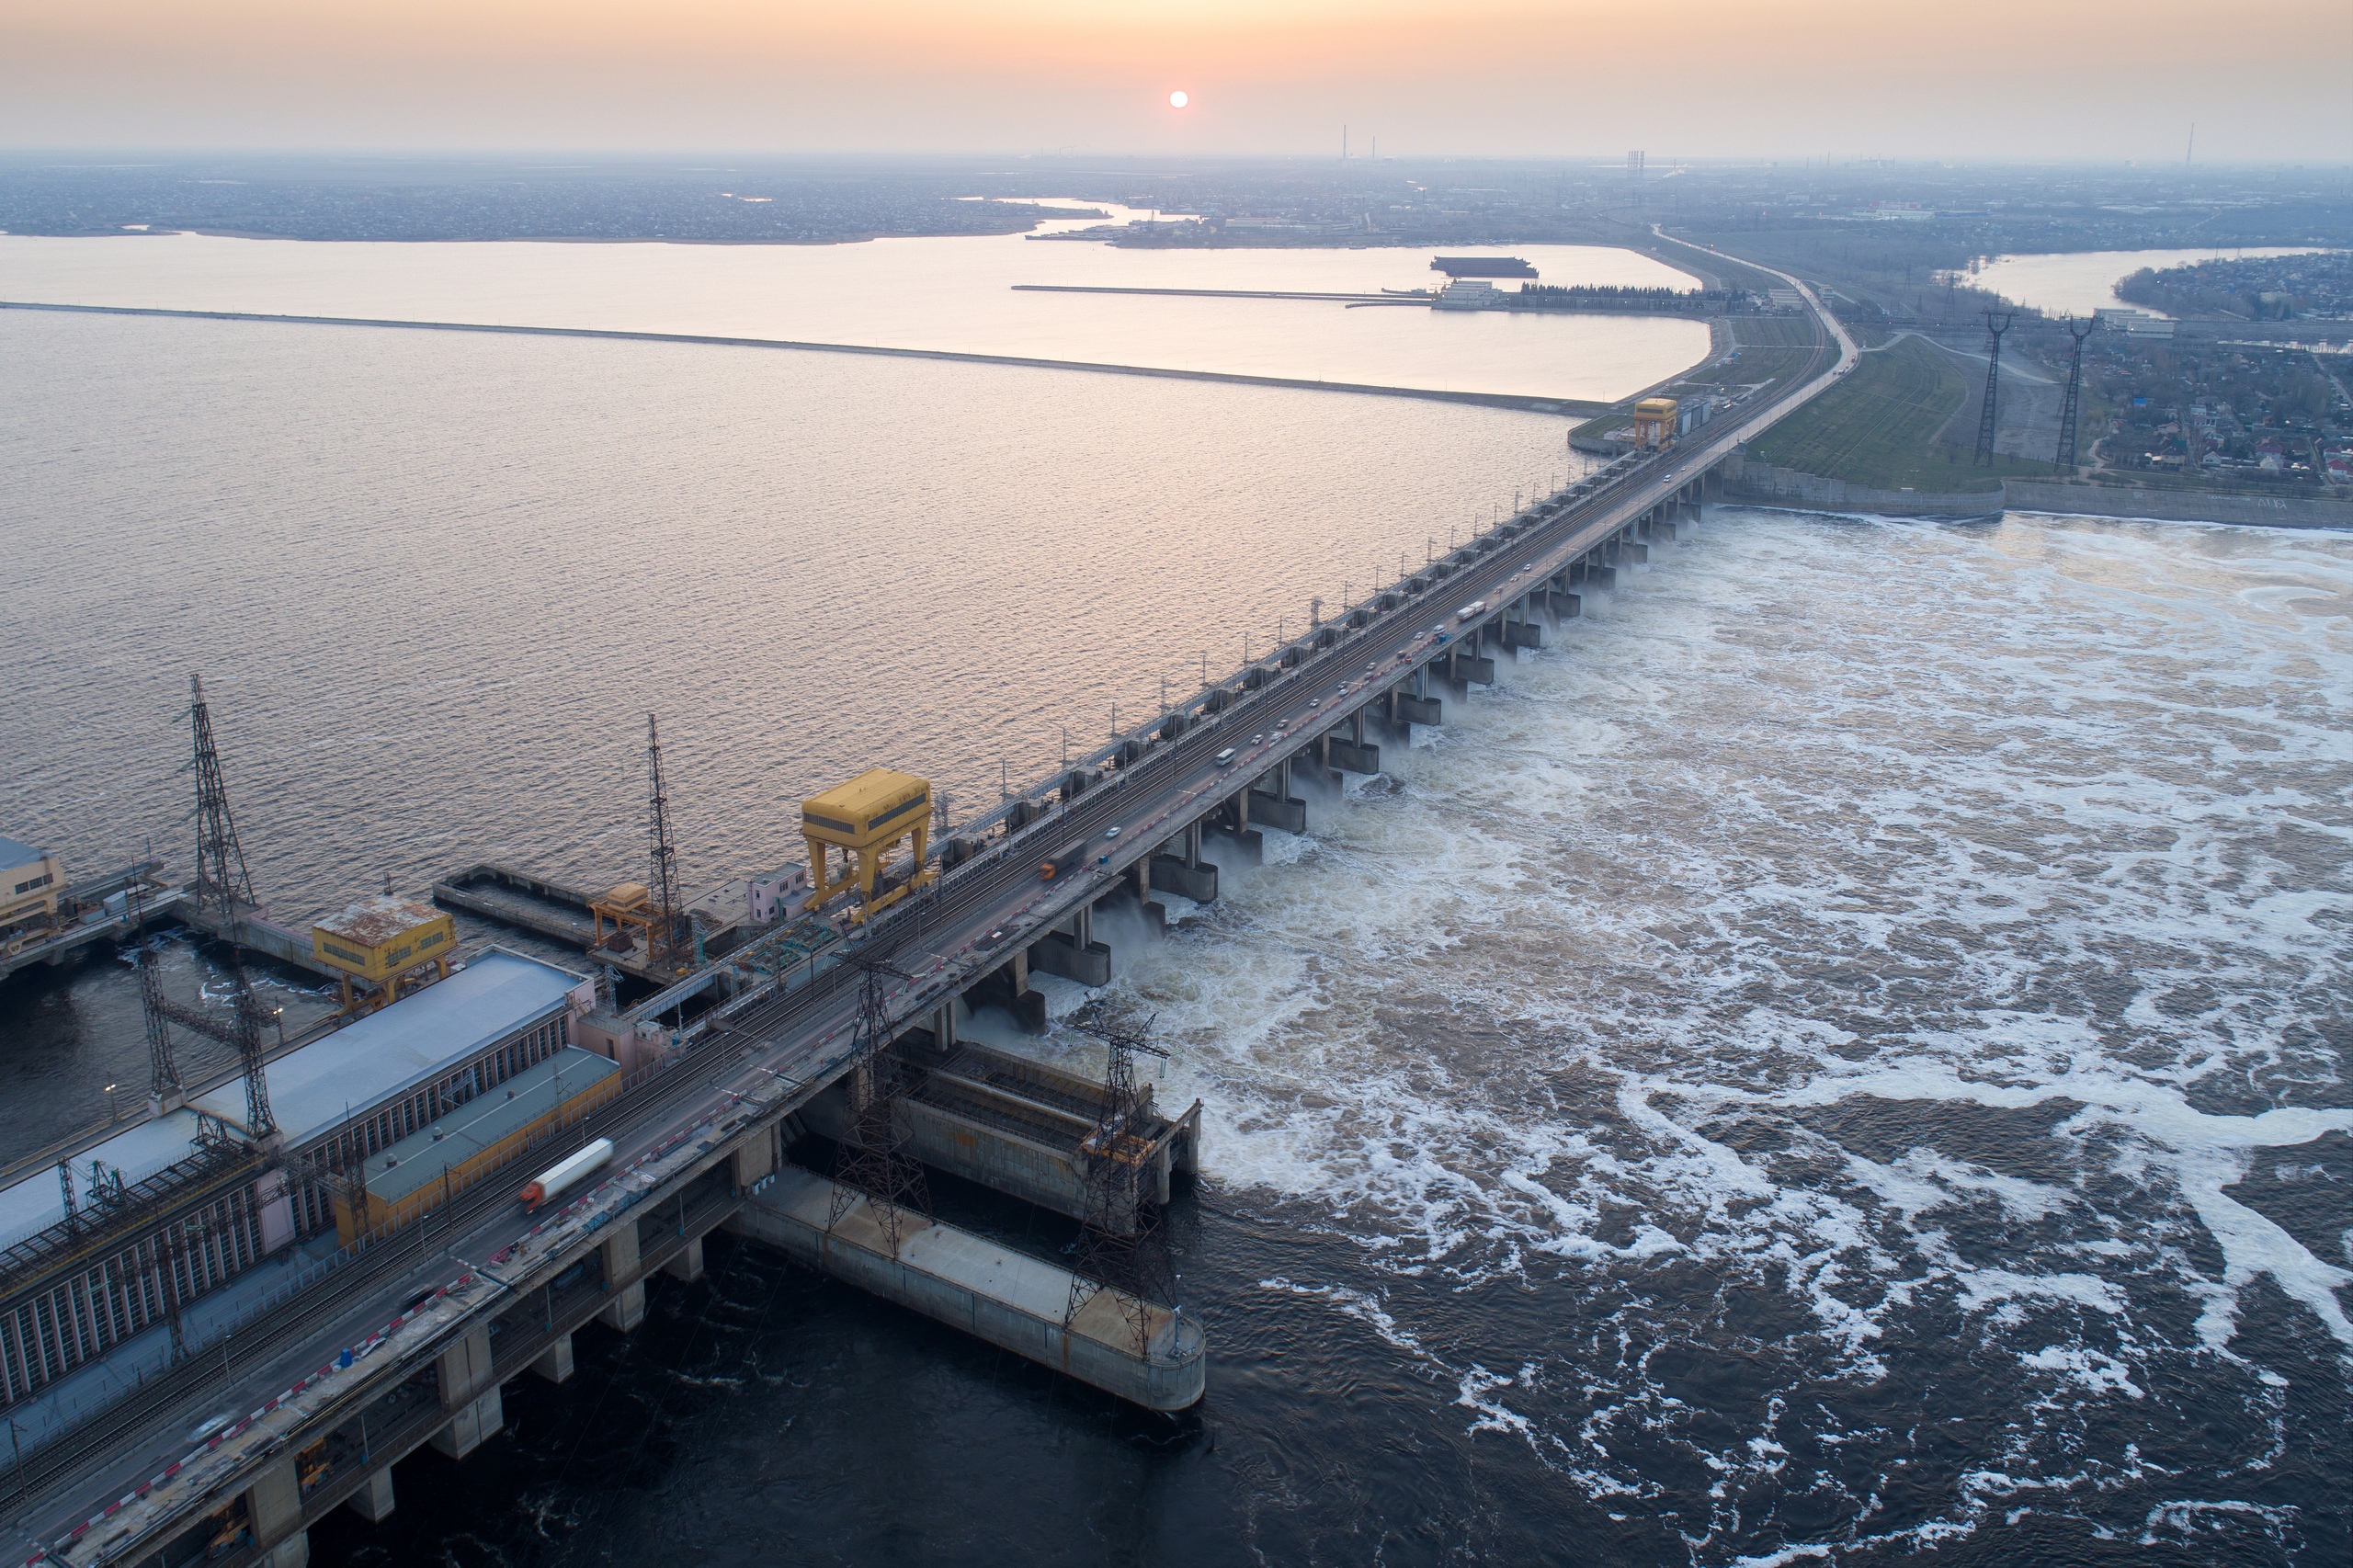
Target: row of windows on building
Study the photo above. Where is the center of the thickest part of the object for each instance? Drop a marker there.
(69, 1322)
(89, 1311)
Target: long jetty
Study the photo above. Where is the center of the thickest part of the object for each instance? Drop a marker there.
(408, 1340)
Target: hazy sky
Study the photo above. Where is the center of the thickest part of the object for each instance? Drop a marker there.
(2058, 79)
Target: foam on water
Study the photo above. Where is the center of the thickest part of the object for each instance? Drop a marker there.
(1917, 932)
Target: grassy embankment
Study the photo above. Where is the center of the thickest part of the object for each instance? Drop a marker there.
(1878, 427)
(1771, 350)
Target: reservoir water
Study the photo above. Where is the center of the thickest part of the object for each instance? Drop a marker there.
(2084, 281)
(956, 294)
(1841, 1054)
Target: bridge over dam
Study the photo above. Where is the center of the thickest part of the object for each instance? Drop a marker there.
(406, 1340)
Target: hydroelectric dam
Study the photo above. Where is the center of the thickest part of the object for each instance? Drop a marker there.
(439, 1297)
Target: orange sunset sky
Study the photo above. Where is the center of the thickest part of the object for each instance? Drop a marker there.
(2053, 79)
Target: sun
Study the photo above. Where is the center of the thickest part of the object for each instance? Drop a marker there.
(1179, 98)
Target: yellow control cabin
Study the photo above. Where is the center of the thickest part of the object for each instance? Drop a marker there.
(381, 945)
(30, 881)
(1654, 421)
(857, 826)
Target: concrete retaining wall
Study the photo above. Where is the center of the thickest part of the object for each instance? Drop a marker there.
(1764, 485)
(994, 1293)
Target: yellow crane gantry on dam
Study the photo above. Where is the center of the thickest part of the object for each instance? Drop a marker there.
(867, 819)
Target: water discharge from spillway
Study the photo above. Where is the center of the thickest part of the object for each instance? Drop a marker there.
(1851, 939)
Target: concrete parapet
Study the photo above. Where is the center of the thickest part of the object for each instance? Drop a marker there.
(469, 1385)
(1007, 986)
(1057, 953)
(274, 1515)
(624, 1306)
(1170, 874)
(1288, 813)
(373, 1501)
(1249, 846)
(1002, 1297)
(554, 1363)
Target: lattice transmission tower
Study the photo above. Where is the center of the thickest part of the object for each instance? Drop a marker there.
(1121, 1248)
(663, 881)
(1985, 453)
(225, 886)
(2064, 461)
(222, 883)
(875, 1162)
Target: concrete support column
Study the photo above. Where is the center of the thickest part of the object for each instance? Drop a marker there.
(373, 1501)
(624, 1306)
(554, 1364)
(753, 1157)
(943, 1025)
(469, 1394)
(688, 1265)
(274, 1514)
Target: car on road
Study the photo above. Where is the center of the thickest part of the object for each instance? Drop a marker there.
(1111, 833)
(211, 1425)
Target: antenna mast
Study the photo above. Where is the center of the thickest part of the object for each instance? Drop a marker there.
(1995, 329)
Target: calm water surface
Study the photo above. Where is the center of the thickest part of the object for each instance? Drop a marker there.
(2086, 281)
(954, 293)
(1842, 1054)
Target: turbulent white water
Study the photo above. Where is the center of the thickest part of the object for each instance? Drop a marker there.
(1915, 931)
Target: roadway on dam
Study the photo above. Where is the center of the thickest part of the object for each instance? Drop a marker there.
(780, 1048)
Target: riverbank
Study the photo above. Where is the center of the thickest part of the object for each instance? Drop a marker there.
(1767, 484)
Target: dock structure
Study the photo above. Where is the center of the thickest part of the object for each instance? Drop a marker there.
(402, 1345)
(57, 929)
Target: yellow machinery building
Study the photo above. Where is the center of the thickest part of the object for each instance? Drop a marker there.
(1655, 422)
(629, 909)
(469, 1141)
(381, 946)
(866, 820)
(30, 881)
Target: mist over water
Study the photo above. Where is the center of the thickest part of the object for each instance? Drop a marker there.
(1841, 1053)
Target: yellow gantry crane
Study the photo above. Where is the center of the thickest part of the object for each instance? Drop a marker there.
(866, 820)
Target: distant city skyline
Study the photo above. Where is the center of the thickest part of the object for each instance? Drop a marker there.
(2058, 82)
